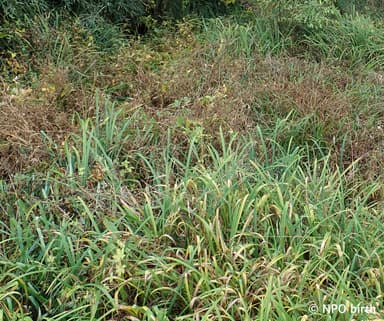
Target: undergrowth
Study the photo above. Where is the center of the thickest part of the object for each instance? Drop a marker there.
(249, 229)
(213, 169)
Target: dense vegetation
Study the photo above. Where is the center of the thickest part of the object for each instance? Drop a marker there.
(191, 160)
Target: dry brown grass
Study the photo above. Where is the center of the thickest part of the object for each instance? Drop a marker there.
(178, 84)
(24, 114)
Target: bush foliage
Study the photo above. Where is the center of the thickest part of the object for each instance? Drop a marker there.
(116, 11)
(133, 16)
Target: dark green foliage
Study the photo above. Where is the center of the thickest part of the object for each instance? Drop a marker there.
(375, 7)
(99, 17)
(116, 11)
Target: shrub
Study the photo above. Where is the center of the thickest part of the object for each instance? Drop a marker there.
(301, 14)
(133, 16)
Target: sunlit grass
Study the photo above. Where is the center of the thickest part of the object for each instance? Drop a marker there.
(207, 176)
(232, 231)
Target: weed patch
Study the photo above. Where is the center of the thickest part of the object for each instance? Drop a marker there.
(212, 169)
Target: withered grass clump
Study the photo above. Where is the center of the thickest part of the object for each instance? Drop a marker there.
(23, 119)
(237, 93)
(181, 81)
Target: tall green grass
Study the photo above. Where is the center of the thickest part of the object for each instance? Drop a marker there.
(355, 39)
(244, 229)
(134, 223)
(262, 35)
